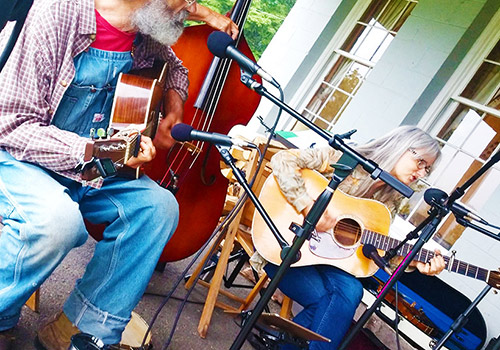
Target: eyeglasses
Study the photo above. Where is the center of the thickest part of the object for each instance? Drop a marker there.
(189, 2)
(421, 162)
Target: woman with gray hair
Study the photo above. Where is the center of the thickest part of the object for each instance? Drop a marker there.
(328, 294)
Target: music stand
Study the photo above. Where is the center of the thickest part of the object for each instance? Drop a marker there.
(275, 331)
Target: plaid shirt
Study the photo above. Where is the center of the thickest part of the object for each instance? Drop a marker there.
(40, 69)
(285, 165)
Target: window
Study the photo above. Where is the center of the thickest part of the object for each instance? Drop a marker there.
(353, 61)
(470, 136)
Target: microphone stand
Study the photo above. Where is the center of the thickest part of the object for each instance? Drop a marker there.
(462, 319)
(439, 209)
(240, 177)
(437, 213)
(290, 254)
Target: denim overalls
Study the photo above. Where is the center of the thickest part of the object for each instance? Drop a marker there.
(87, 102)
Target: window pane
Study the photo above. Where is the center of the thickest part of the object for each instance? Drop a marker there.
(370, 41)
(404, 15)
(483, 88)
(365, 45)
(333, 96)
(494, 123)
(479, 91)
(458, 129)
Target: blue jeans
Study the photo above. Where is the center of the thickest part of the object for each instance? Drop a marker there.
(43, 216)
(329, 296)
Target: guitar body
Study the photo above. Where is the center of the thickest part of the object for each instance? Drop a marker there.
(135, 112)
(137, 100)
(340, 248)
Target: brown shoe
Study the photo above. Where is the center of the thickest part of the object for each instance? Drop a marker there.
(56, 335)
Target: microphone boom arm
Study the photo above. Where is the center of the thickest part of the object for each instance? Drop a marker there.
(334, 140)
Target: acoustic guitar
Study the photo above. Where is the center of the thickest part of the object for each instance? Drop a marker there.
(360, 221)
(135, 112)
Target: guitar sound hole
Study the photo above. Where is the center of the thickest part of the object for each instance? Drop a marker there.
(347, 232)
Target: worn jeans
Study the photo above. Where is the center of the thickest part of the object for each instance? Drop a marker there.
(329, 296)
(43, 220)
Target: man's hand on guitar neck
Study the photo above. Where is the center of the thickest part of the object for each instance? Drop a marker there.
(146, 153)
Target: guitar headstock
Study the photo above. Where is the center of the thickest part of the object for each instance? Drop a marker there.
(494, 279)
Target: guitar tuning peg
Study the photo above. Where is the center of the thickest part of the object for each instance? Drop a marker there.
(101, 133)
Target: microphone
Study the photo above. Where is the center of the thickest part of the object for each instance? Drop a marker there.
(435, 195)
(184, 132)
(371, 253)
(222, 45)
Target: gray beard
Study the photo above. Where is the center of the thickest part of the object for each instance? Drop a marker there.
(158, 21)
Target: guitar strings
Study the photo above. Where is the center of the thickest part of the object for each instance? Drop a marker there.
(203, 117)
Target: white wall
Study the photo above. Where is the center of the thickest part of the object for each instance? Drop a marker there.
(423, 46)
(291, 44)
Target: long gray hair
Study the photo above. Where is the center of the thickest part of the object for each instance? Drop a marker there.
(388, 149)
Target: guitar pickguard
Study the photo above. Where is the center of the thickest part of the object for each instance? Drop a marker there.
(323, 245)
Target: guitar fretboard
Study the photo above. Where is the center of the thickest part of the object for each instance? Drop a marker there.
(451, 264)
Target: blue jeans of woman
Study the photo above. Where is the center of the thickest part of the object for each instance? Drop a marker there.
(43, 216)
(329, 296)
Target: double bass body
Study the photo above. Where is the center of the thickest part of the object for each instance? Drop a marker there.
(194, 174)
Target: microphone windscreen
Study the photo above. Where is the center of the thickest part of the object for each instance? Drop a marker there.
(368, 249)
(181, 132)
(435, 195)
(218, 42)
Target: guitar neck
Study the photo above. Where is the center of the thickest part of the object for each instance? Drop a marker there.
(451, 264)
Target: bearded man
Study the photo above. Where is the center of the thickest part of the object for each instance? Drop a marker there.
(56, 87)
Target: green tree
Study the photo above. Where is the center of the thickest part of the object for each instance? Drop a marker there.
(264, 19)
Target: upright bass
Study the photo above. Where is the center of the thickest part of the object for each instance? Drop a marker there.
(217, 101)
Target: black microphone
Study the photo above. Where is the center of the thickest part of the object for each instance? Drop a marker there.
(371, 252)
(184, 132)
(222, 45)
(435, 195)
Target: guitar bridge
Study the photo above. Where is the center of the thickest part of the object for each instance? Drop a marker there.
(192, 148)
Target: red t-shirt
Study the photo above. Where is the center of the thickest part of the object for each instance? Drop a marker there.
(109, 38)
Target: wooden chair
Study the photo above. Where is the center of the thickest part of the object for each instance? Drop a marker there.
(235, 236)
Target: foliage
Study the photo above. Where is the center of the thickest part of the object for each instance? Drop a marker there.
(264, 19)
